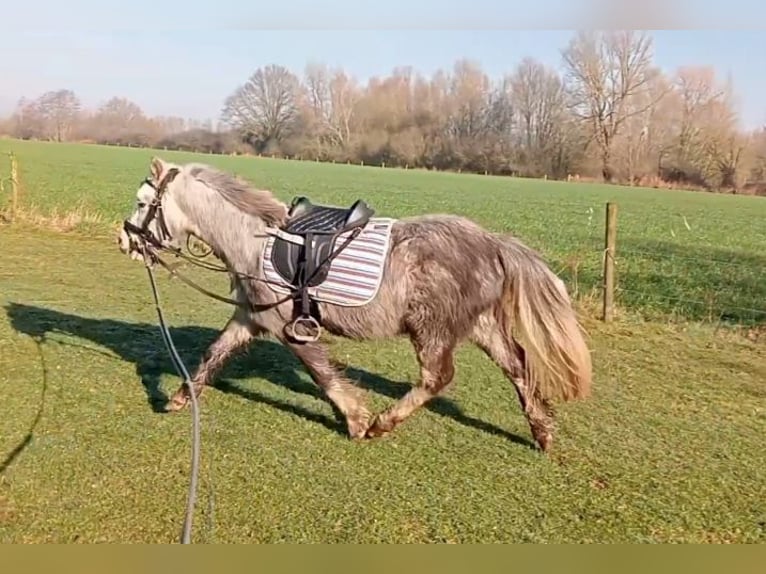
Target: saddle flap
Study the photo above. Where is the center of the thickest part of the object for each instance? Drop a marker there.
(290, 261)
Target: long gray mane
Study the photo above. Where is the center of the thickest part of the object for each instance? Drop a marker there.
(257, 202)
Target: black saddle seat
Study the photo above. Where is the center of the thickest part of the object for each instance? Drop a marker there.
(306, 261)
(305, 217)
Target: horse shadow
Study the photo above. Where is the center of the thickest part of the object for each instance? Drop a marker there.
(142, 345)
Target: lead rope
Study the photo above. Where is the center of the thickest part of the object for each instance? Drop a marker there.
(184, 374)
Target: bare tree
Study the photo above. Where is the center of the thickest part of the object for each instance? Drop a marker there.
(708, 143)
(265, 109)
(430, 117)
(605, 71)
(698, 93)
(50, 116)
(539, 102)
(467, 124)
(469, 91)
(660, 125)
(644, 137)
(122, 121)
(28, 121)
(344, 96)
(726, 142)
(332, 98)
(59, 110)
(317, 84)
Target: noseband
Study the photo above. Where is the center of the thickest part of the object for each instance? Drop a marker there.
(155, 212)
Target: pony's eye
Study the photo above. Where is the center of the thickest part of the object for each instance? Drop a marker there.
(141, 205)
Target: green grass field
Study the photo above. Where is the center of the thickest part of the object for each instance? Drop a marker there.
(669, 449)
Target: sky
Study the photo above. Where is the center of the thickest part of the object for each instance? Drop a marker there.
(183, 57)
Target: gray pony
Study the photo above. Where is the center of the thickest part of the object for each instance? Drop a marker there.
(445, 280)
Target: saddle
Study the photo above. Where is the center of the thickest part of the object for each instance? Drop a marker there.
(306, 245)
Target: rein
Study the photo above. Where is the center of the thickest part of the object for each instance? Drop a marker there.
(154, 256)
(184, 374)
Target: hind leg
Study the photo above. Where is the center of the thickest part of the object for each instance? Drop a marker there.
(509, 356)
(437, 369)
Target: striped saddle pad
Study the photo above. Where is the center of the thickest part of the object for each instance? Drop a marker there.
(355, 274)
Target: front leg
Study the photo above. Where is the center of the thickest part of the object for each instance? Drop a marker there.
(347, 397)
(237, 333)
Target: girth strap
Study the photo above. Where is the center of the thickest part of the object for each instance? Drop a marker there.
(306, 272)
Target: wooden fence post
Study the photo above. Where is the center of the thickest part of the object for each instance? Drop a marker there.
(610, 244)
(14, 186)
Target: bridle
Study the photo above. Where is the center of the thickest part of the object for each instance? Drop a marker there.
(154, 212)
(152, 245)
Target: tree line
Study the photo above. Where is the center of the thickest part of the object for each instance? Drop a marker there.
(611, 115)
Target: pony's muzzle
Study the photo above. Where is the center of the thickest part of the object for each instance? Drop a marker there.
(129, 245)
(123, 242)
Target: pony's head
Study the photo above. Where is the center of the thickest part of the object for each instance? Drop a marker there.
(157, 217)
(176, 201)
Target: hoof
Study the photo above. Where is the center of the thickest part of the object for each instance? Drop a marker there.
(545, 442)
(379, 428)
(358, 424)
(176, 403)
(542, 431)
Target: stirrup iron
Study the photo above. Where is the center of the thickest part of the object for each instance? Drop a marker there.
(309, 322)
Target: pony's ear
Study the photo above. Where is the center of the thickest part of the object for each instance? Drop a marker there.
(169, 176)
(159, 168)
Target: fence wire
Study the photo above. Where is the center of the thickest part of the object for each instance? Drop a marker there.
(675, 299)
(699, 260)
(672, 285)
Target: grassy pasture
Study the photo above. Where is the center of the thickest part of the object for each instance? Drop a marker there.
(669, 449)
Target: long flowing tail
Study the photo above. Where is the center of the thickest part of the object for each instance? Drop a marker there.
(539, 316)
